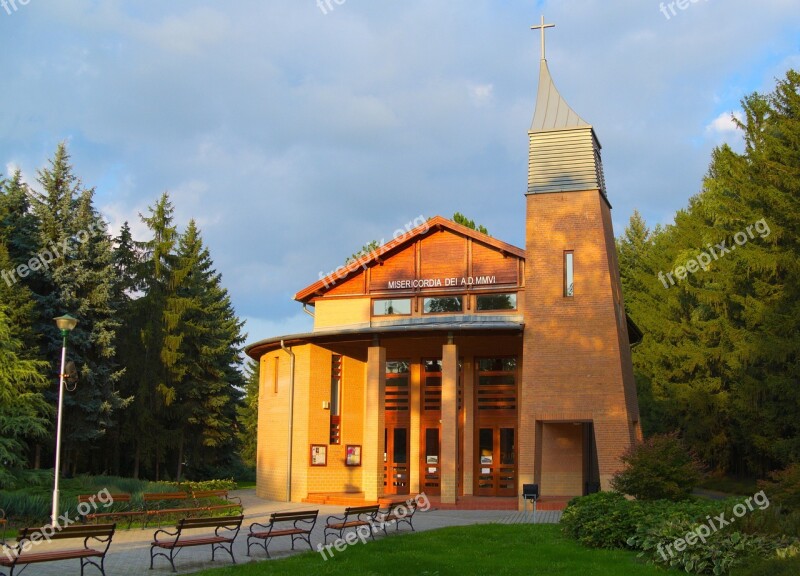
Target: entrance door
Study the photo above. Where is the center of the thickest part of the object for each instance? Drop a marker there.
(396, 470)
(496, 462)
(395, 456)
(429, 463)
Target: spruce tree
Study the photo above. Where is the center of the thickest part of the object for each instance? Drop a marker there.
(24, 412)
(78, 279)
(247, 416)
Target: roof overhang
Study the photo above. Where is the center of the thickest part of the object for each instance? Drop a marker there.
(461, 325)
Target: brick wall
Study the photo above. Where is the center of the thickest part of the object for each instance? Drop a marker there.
(576, 361)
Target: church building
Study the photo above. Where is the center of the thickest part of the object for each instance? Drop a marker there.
(450, 363)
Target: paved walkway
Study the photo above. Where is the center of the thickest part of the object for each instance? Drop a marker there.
(129, 554)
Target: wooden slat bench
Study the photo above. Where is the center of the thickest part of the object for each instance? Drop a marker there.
(226, 528)
(160, 504)
(302, 524)
(27, 549)
(121, 507)
(353, 517)
(397, 512)
(206, 499)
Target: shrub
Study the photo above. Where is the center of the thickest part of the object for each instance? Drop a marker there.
(714, 554)
(609, 520)
(601, 520)
(783, 488)
(190, 486)
(774, 566)
(658, 468)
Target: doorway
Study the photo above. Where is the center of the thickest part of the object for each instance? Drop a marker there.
(496, 461)
(395, 458)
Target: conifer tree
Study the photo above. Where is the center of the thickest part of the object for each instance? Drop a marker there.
(77, 279)
(157, 331)
(247, 416)
(24, 412)
(720, 353)
(205, 383)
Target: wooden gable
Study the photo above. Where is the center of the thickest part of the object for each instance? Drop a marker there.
(438, 256)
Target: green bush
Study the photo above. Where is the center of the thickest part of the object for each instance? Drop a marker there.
(30, 503)
(659, 541)
(609, 520)
(658, 468)
(191, 486)
(601, 520)
(772, 566)
(783, 488)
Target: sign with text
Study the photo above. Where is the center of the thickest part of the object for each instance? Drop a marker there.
(442, 282)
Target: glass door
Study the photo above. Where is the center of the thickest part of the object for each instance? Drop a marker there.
(395, 457)
(430, 464)
(496, 462)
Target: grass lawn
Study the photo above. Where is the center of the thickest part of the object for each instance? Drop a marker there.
(491, 549)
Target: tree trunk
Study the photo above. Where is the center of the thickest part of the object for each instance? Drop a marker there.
(180, 459)
(136, 462)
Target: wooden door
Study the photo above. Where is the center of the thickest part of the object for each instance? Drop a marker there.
(396, 462)
(496, 461)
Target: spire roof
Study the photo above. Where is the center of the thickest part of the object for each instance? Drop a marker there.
(552, 111)
(564, 153)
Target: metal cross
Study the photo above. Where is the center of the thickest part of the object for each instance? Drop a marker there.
(542, 27)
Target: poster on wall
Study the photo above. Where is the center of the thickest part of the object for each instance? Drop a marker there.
(353, 455)
(319, 455)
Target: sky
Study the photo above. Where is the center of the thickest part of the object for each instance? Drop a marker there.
(296, 131)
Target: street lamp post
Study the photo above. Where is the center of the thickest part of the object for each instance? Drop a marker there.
(65, 323)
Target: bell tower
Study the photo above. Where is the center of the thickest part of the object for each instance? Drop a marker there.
(578, 409)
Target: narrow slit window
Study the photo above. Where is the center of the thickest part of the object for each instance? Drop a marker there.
(275, 375)
(336, 400)
(569, 274)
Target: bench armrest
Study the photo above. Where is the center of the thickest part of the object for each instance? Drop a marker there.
(174, 534)
(102, 539)
(366, 516)
(339, 519)
(267, 526)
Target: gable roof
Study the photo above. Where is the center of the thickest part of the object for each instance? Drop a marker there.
(381, 253)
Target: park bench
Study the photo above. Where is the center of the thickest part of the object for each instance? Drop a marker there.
(160, 504)
(207, 499)
(121, 507)
(226, 528)
(302, 524)
(28, 549)
(397, 512)
(353, 517)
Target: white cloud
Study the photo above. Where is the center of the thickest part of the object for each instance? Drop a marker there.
(724, 125)
(294, 138)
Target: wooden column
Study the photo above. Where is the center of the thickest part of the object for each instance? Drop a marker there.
(374, 400)
(449, 447)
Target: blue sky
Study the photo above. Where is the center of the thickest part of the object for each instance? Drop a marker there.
(294, 135)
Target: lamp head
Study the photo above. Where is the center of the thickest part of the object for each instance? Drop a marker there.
(66, 323)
